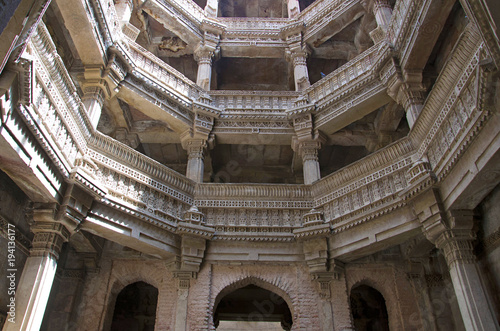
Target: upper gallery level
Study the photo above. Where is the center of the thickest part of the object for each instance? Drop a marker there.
(256, 81)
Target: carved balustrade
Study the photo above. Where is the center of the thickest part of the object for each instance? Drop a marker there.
(342, 79)
(253, 211)
(451, 115)
(253, 101)
(187, 7)
(253, 24)
(55, 105)
(320, 13)
(402, 23)
(162, 74)
(366, 186)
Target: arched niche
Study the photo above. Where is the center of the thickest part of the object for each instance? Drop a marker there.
(253, 303)
(135, 308)
(368, 309)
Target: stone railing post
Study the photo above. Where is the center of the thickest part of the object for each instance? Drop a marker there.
(124, 10)
(383, 12)
(36, 280)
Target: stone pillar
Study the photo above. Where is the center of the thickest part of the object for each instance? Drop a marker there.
(412, 98)
(93, 100)
(311, 162)
(308, 151)
(300, 72)
(204, 77)
(477, 313)
(195, 165)
(124, 10)
(293, 8)
(383, 13)
(212, 8)
(37, 277)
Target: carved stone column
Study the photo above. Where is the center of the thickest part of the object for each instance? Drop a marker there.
(297, 53)
(183, 283)
(309, 153)
(411, 97)
(300, 72)
(124, 10)
(195, 165)
(212, 8)
(293, 8)
(452, 233)
(34, 287)
(383, 13)
(458, 249)
(341, 305)
(93, 100)
(204, 77)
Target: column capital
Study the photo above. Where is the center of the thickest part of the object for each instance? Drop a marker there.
(381, 4)
(457, 246)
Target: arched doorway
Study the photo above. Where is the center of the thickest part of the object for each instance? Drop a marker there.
(135, 308)
(368, 309)
(252, 307)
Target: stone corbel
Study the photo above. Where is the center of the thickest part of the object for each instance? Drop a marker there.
(194, 234)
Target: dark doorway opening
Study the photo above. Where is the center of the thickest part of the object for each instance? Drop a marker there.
(135, 308)
(253, 307)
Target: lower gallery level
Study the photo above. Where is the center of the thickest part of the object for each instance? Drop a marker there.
(249, 165)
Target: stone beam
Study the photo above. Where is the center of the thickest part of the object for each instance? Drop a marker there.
(486, 16)
(131, 230)
(351, 243)
(333, 24)
(432, 19)
(173, 21)
(338, 115)
(82, 31)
